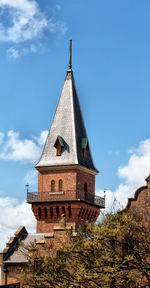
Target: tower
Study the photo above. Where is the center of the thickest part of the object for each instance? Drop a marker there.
(66, 172)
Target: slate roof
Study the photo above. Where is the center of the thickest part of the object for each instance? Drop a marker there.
(67, 123)
(17, 253)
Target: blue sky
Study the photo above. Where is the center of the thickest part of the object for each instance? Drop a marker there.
(111, 64)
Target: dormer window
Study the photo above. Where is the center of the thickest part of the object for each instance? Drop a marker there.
(59, 144)
(84, 146)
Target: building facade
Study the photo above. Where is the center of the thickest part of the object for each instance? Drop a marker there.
(66, 182)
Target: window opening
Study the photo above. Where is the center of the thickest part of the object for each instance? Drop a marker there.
(87, 210)
(88, 215)
(82, 213)
(39, 212)
(91, 218)
(63, 210)
(95, 215)
(52, 186)
(60, 185)
(58, 149)
(84, 146)
(59, 144)
(51, 212)
(69, 211)
(45, 212)
(85, 187)
(57, 211)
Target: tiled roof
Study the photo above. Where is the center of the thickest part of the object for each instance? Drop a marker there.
(69, 125)
(18, 252)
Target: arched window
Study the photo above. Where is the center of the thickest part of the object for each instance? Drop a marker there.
(69, 211)
(63, 210)
(45, 212)
(51, 212)
(52, 186)
(57, 211)
(60, 185)
(85, 187)
(39, 212)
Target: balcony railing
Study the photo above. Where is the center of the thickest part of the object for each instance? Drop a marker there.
(66, 196)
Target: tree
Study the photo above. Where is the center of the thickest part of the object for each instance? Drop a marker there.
(113, 253)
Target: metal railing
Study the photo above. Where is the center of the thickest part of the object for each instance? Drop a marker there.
(66, 195)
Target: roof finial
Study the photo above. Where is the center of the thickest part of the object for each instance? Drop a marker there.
(70, 57)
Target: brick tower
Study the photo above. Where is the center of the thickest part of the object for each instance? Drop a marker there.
(66, 172)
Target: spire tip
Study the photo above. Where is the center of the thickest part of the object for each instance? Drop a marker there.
(70, 56)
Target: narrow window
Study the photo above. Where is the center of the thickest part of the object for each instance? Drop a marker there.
(87, 210)
(45, 212)
(39, 212)
(63, 210)
(60, 185)
(82, 213)
(88, 215)
(95, 215)
(51, 212)
(52, 186)
(91, 217)
(69, 211)
(85, 187)
(57, 211)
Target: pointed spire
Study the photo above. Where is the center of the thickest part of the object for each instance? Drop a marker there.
(67, 126)
(70, 57)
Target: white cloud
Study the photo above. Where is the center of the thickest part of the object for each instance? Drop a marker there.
(23, 21)
(15, 53)
(31, 177)
(41, 140)
(12, 215)
(27, 21)
(133, 176)
(1, 137)
(24, 150)
(139, 164)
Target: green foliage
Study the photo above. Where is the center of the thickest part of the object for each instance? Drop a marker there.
(112, 253)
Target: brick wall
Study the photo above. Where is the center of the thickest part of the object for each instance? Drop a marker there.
(83, 177)
(141, 203)
(58, 238)
(52, 204)
(45, 178)
(13, 271)
(80, 212)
